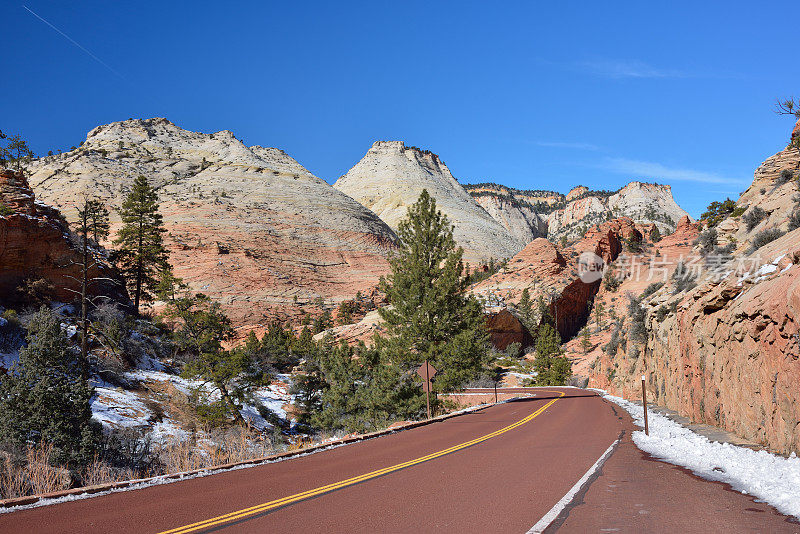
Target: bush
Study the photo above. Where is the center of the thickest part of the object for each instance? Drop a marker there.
(637, 329)
(794, 220)
(611, 282)
(764, 237)
(784, 177)
(717, 211)
(652, 288)
(707, 240)
(753, 217)
(661, 313)
(682, 279)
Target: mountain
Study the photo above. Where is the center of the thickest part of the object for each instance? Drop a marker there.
(644, 203)
(248, 226)
(522, 213)
(390, 178)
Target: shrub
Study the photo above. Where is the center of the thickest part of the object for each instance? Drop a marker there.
(611, 282)
(707, 240)
(661, 313)
(738, 211)
(717, 211)
(683, 280)
(794, 220)
(763, 237)
(784, 176)
(637, 329)
(652, 288)
(753, 217)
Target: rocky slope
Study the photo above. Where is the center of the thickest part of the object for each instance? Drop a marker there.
(36, 246)
(642, 202)
(390, 178)
(726, 351)
(248, 226)
(522, 213)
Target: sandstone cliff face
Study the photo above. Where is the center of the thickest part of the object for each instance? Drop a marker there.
(248, 226)
(522, 213)
(726, 351)
(35, 244)
(644, 203)
(551, 272)
(390, 178)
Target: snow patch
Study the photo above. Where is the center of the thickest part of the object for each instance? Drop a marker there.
(767, 477)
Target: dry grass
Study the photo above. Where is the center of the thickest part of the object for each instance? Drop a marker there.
(34, 475)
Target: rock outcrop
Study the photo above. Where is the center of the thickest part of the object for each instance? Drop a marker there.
(36, 247)
(249, 226)
(725, 349)
(644, 203)
(522, 213)
(390, 178)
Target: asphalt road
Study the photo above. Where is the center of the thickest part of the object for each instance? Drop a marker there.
(499, 469)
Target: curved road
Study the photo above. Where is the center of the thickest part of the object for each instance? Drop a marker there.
(499, 469)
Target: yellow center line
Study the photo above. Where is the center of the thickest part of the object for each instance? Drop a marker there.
(253, 510)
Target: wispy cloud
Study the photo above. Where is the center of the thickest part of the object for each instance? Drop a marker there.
(657, 171)
(575, 146)
(616, 68)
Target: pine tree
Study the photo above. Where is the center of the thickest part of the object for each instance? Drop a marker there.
(45, 398)
(431, 317)
(586, 344)
(525, 308)
(552, 368)
(141, 253)
(200, 329)
(655, 234)
(599, 310)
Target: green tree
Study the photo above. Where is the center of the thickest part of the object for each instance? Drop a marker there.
(431, 317)
(45, 399)
(599, 310)
(322, 322)
(791, 108)
(586, 343)
(141, 255)
(200, 329)
(93, 215)
(552, 368)
(525, 308)
(15, 152)
(655, 234)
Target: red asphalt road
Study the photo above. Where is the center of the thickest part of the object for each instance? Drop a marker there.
(504, 484)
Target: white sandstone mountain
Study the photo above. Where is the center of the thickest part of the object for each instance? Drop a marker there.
(390, 178)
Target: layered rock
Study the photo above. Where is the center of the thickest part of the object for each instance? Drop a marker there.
(551, 273)
(36, 246)
(644, 203)
(390, 178)
(522, 213)
(725, 352)
(249, 226)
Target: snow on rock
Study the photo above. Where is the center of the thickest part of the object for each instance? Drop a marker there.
(767, 477)
(118, 408)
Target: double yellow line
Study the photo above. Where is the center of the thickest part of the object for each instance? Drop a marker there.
(260, 508)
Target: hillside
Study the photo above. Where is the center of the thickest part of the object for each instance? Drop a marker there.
(390, 178)
(249, 226)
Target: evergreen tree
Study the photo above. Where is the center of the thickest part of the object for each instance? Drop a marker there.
(15, 152)
(431, 317)
(200, 329)
(525, 308)
(599, 310)
(141, 255)
(552, 368)
(586, 344)
(655, 234)
(45, 398)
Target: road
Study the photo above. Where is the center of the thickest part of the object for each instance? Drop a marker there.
(500, 469)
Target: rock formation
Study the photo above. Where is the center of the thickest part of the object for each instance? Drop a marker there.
(725, 351)
(390, 178)
(522, 213)
(36, 247)
(644, 203)
(248, 226)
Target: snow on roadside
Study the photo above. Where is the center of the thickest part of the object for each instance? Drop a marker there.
(770, 478)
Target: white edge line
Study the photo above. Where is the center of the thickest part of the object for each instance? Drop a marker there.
(550, 516)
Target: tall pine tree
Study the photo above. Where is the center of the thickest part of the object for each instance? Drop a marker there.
(45, 398)
(141, 255)
(431, 317)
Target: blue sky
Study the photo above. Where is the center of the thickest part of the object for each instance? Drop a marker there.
(531, 94)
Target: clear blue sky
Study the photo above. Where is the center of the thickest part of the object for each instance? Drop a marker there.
(530, 94)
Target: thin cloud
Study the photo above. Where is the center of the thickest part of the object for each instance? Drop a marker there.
(575, 146)
(657, 171)
(628, 69)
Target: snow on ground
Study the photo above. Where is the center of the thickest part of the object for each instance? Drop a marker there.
(119, 408)
(767, 477)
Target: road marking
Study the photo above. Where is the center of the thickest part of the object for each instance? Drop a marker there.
(550, 516)
(260, 508)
